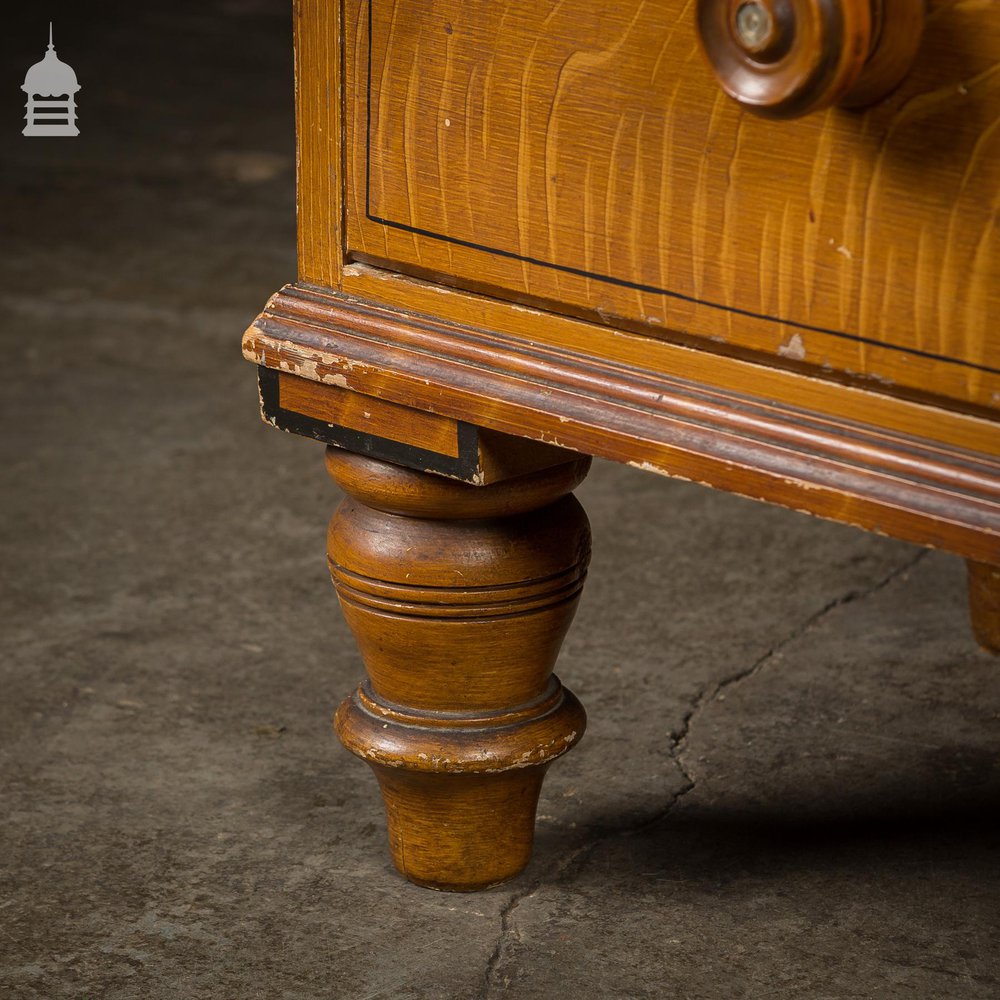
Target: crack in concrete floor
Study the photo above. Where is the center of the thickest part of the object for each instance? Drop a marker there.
(573, 863)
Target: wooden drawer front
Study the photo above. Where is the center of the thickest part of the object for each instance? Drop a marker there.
(582, 156)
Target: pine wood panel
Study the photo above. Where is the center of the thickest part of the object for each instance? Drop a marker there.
(581, 155)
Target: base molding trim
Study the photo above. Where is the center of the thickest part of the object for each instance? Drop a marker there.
(910, 487)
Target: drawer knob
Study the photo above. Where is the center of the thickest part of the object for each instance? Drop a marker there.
(787, 58)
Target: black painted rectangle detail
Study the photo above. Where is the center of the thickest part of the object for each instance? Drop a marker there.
(464, 467)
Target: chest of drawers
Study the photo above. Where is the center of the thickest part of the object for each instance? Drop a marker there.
(752, 244)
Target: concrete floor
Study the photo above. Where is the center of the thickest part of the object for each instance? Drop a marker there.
(790, 782)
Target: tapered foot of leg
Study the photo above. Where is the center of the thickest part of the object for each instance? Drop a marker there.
(460, 791)
(984, 604)
(459, 598)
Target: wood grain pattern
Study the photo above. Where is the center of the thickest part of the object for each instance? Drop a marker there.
(318, 106)
(459, 597)
(335, 405)
(915, 488)
(592, 152)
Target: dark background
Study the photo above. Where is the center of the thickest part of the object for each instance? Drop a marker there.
(173, 95)
(789, 782)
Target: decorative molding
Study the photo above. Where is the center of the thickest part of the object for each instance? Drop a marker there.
(910, 487)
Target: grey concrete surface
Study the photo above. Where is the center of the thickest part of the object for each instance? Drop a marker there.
(789, 786)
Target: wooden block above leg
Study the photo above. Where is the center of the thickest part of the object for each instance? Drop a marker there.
(412, 438)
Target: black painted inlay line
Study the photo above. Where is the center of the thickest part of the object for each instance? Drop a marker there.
(611, 279)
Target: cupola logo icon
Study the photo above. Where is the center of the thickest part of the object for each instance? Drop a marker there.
(51, 86)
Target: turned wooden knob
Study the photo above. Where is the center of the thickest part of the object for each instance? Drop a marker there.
(786, 58)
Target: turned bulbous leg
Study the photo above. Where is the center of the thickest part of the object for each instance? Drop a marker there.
(984, 604)
(459, 597)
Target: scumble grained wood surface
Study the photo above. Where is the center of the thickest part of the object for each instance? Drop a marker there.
(578, 140)
(318, 106)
